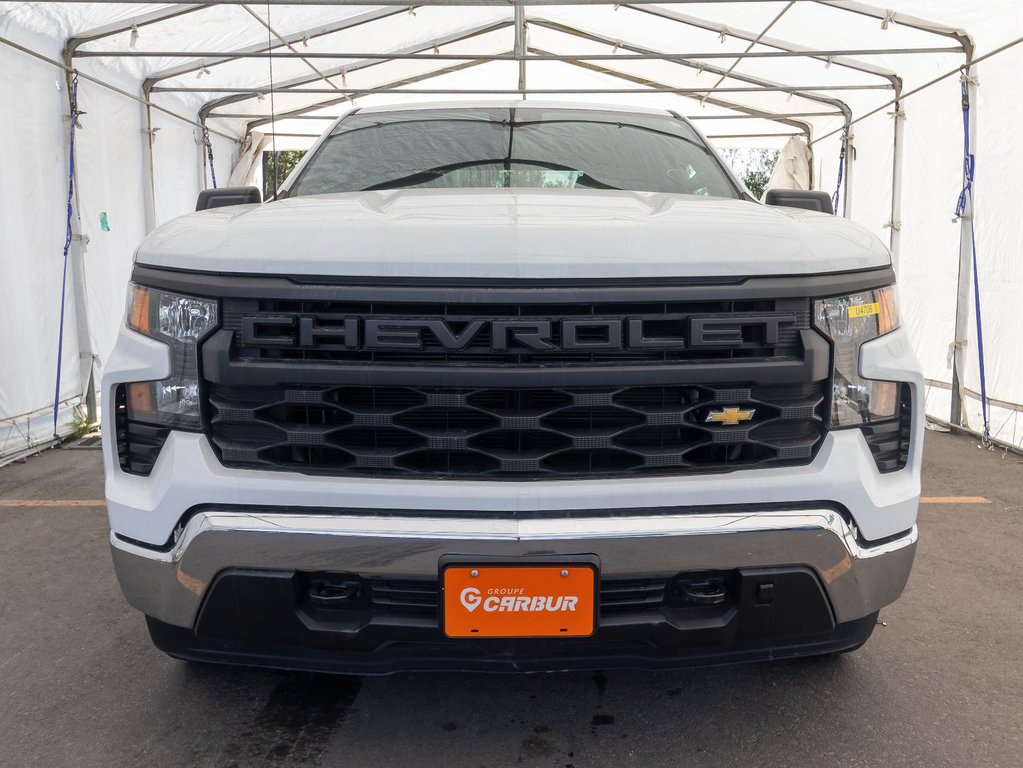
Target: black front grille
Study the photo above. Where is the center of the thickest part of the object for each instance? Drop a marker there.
(513, 382)
(314, 331)
(628, 595)
(406, 596)
(515, 433)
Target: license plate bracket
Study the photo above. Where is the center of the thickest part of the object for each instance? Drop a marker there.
(484, 598)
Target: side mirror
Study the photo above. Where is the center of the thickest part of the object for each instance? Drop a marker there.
(217, 198)
(811, 200)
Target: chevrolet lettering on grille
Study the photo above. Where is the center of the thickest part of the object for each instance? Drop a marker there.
(534, 334)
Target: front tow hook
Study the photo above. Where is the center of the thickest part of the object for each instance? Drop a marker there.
(704, 592)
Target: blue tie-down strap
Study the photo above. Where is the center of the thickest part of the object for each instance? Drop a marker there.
(841, 172)
(209, 154)
(964, 204)
(67, 242)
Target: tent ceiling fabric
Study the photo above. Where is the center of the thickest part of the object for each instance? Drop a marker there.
(188, 47)
(753, 74)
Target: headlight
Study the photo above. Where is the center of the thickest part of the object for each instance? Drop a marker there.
(181, 322)
(851, 321)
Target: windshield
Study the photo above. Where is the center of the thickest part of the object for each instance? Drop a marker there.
(514, 148)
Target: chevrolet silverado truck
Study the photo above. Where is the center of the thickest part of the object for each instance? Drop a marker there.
(511, 386)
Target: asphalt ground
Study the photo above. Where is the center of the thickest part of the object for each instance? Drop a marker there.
(939, 684)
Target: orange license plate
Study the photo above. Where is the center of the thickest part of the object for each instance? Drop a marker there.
(519, 601)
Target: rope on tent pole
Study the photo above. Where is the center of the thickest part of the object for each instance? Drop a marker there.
(964, 207)
(841, 172)
(67, 242)
(209, 154)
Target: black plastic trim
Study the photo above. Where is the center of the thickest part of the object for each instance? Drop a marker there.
(453, 290)
(138, 443)
(182, 643)
(219, 368)
(258, 623)
(807, 199)
(227, 196)
(889, 441)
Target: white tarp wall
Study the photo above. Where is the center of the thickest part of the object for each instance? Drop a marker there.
(929, 263)
(113, 176)
(31, 241)
(33, 196)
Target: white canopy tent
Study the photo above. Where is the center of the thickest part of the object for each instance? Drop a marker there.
(874, 93)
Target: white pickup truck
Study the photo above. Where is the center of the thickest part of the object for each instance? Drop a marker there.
(511, 386)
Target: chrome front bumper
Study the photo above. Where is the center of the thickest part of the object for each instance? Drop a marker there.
(170, 585)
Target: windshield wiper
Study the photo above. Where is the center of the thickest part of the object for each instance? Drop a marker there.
(657, 131)
(430, 174)
(421, 177)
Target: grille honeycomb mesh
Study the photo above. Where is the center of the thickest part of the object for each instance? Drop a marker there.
(512, 433)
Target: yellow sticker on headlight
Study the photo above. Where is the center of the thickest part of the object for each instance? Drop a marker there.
(865, 310)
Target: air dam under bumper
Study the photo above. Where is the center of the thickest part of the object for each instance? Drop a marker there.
(171, 587)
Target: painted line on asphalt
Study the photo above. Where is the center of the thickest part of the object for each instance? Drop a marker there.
(954, 500)
(52, 503)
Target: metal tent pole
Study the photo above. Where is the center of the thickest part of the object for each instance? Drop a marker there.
(898, 148)
(252, 91)
(520, 45)
(783, 46)
(149, 168)
(694, 117)
(212, 59)
(77, 275)
(958, 416)
(357, 66)
(705, 98)
(850, 161)
(454, 3)
(130, 24)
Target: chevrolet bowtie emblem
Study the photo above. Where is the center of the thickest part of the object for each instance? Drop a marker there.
(730, 416)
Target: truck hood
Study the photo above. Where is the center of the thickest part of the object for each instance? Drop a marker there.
(500, 233)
